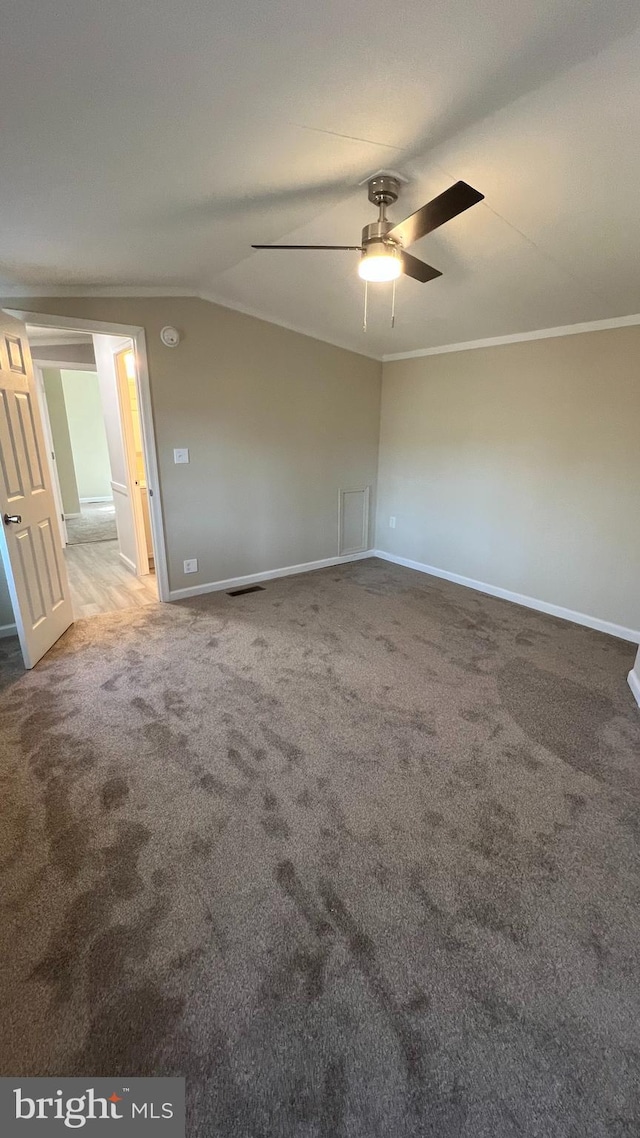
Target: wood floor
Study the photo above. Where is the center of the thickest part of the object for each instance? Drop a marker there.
(101, 583)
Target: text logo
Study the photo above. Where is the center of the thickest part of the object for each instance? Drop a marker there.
(135, 1106)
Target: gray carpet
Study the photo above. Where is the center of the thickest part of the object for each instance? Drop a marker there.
(97, 522)
(358, 855)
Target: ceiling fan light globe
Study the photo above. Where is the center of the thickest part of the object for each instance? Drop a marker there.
(380, 264)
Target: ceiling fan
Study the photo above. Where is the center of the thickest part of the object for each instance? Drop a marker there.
(383, 256)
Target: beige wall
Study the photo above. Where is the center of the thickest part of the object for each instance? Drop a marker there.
(519, 466)
(276, 423)
(81, 354)
(61, 440)
(515, 466)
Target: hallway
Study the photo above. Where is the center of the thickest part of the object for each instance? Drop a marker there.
(96, 522)
(100, 582)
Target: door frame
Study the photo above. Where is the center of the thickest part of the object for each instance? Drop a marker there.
(138, 338)
(142, 553)
(51, 459)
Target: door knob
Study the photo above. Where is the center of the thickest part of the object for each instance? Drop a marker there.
(12, 518)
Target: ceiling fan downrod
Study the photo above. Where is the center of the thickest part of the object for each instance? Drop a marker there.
(383, 192)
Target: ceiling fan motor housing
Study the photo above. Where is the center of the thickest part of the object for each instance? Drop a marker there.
(376, 232)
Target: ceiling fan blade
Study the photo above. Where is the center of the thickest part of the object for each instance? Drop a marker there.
(447, 205)
(419, 270)
(351, 248)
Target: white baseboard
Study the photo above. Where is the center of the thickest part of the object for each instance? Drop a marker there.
(68, 516)
(634, 684)
(104, 498)
(517, 598)
(8, 630)
(129, 564)
(269, 575)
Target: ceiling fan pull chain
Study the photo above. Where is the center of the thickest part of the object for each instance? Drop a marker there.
(366, 296)
(393, 305)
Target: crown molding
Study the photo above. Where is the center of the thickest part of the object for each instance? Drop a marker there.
(44, 291)
(7, 292)
(138, 291)
(519, 337)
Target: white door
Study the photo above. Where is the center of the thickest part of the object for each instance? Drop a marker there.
(29, 541)
(106, 349)
(133, 454)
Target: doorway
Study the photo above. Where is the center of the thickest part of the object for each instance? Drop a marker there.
(89, 403)
(116, 487)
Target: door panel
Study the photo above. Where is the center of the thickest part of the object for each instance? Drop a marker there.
(54, 581)
(15, 353)
(31, 551)
(8, 453)
(28, 566)
(24, 405)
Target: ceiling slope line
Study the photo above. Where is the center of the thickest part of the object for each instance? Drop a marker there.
(350, 137)
(544, 253)
(246, 310)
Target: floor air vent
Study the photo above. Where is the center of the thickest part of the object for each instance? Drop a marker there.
(249, 589)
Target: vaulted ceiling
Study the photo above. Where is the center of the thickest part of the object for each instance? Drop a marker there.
(149, 143)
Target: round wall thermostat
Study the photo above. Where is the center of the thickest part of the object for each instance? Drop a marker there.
(170, 336)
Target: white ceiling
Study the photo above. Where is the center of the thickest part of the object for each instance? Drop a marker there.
(149, 143)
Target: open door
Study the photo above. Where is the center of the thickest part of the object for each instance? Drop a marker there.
(134, 455)
(29, 535)
(106, 349)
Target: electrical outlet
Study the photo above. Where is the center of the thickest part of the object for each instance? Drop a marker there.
(392, 523)
(191, 566)
(181, 454)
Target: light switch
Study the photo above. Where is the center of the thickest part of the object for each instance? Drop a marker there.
(181, 454)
